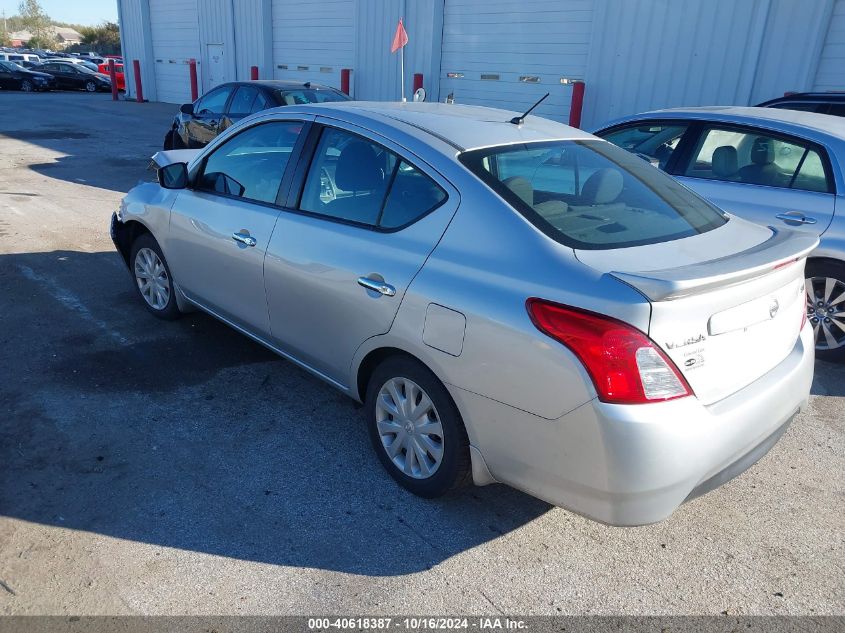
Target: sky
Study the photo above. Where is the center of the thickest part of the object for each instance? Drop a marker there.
(87, 12)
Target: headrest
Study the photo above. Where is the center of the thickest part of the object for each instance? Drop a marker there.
(358, 168)
(725, 162)
(603, 187)
(521, 187)
(763, 151)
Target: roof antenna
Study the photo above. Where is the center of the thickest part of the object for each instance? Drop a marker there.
(519, 120)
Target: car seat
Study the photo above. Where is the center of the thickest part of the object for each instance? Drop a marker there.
(762, 170)
(725, 164)
(359, 173)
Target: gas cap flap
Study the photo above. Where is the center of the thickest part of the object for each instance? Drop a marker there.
(444, 329)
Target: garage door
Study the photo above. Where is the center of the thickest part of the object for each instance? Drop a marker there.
(509, 53)
(175, 38)
(312, 41)
(831, 71)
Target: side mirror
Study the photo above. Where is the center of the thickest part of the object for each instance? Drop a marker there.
(187, 108)
(173, 176)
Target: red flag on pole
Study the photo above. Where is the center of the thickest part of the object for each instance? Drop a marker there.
(400, 38)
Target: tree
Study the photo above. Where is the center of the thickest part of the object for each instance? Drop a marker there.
(4, 39)
(35, 20)
(104, 39)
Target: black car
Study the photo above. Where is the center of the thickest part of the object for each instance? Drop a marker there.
(821, 102)
(75, 76)
(199, 122)
(15, 77)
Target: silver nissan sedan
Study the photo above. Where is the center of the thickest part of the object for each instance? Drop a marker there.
(512, 299)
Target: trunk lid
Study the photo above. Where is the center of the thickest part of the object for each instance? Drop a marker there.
(726, 305)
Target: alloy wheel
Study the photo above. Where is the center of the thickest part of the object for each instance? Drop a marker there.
(151, 277)
(91, 86)
(826, 311)
(409, 428)
(26, 85)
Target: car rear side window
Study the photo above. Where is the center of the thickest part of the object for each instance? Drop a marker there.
(251, 164)
(310, 95)
(356, 180)
(412, 195)
(260, 103)
(757, 157)
(241, 104)
(592, 194)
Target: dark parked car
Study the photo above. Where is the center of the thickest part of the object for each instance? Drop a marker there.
(15, 77)
(75, 76)
(199, 122)
(821, 102)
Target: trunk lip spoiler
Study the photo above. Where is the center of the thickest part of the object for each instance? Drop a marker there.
(668, 284)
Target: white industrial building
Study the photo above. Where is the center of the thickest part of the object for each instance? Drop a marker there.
(632, 55)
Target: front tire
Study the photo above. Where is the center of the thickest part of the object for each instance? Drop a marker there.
(26, 85)
(416, 429)
(153, 280)
(91, 86)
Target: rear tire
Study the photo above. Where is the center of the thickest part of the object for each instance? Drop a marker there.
(153, 281)
(433, 455)
(826, 307)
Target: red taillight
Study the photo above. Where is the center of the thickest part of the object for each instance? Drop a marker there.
(625, 366)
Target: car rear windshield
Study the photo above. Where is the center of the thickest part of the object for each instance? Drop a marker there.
(310, 95)
(591, 194)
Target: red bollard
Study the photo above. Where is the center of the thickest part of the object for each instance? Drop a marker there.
(192, 71)
(418, 81)
(113, 77)
(577, 104)
(139, 91)
(344, 80)
(253, 72)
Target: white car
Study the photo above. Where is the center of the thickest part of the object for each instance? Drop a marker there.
(781, 168)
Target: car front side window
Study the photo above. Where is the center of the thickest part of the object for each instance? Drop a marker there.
(251, 165)
(757, 157)
(214, 102)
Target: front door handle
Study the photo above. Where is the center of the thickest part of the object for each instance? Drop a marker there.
(795, 216)
(244, 238)
(377, 285)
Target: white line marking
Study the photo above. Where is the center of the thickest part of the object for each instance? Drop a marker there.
(72, 302)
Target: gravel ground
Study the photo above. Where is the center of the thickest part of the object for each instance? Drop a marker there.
(178, 468)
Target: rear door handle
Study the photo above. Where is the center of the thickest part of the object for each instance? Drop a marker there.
(244, 238)
(795, 216)
(377, 285)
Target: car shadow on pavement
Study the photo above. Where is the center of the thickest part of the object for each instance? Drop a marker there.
(188, 435)
(829, 379)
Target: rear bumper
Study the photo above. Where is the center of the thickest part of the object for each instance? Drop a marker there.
(633, 465)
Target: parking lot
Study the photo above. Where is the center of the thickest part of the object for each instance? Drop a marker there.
(177, 467)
